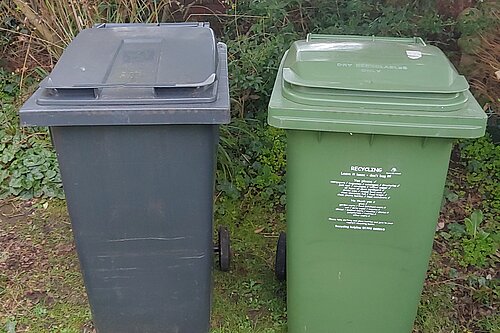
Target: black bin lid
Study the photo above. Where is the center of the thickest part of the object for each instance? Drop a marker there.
(113, 67)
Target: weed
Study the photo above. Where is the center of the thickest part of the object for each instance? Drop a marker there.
(477, 249)
(476, 246)
(40, 311)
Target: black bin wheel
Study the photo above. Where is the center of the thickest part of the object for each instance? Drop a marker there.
(224, 248)
(280, 262)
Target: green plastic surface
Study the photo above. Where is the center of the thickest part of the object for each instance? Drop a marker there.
(360, 274)
(395, 86)
(371, 64)
(368, 151)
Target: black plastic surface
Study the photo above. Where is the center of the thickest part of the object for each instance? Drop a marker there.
(140, 201)
(280, 260)
(145, 74)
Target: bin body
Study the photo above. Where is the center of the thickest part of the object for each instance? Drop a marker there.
(134, 112)
(140, 201)
(368, 278)
(367, 157)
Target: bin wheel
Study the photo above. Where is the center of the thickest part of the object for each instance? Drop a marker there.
(280, 262)
(224, 249)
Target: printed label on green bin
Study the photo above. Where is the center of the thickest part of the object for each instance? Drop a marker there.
(364, 194)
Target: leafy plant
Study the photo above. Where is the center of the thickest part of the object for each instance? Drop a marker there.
(482, 160)
(28, 164)
(476, 244)
(478, 20)
(258, 166)
(472, 224)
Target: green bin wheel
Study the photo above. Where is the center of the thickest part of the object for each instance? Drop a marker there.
(224, 249)
(280, 262)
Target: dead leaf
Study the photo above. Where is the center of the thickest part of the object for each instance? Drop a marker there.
(259, 230)
(440, 225)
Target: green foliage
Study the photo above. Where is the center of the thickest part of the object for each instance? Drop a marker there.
(472, 223)
(474, 22)
(485, 289)
(434, 311)
(483, 165)
(253, 63)
(379, 18)
(258, 33)
(269, 167)
(476, 246)
(256, 46)
(28, 164)
(258, 166)
(477, 239)
(490, 323)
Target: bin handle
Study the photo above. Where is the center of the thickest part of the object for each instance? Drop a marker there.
(176, 24)
(208, 81)
(415, 40)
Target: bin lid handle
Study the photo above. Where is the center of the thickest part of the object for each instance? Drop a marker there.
(416, 40)
(208, 81)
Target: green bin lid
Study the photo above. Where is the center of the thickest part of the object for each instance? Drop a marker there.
(377, 85)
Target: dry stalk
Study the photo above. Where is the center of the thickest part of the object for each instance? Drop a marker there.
(23, 71)
(41, 40)
(485, 79)
(32, 18)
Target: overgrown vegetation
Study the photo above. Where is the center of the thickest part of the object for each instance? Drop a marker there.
(28, 165)
(461, 293)
(55, 23)
(483, 166)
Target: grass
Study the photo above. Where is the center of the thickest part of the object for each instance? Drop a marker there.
(249, 299)
(41, 289)
(435, 310)
(45, 293)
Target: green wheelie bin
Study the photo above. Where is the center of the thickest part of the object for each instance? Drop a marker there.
(370, 125)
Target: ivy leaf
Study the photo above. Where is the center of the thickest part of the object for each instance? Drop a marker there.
(456, 229)
(50, 174)
(450, 195)
(8, 155)
(15, 183)
(3, 175)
